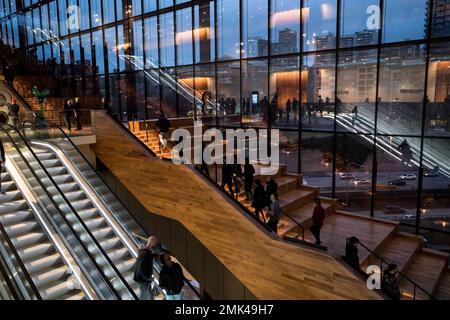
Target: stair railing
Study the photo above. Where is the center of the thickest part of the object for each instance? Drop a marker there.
(383, 262)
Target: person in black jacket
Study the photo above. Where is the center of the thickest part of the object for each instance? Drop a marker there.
(2, 162)
(351, 252)
(227, 177)
(77, 112)
(249, 173)
(67, 110)
(143, 273)
(271, 189)
(171, 278)
(259, 199)
(13, 112)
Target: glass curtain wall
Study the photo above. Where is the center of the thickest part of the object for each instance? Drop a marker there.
(359, 88)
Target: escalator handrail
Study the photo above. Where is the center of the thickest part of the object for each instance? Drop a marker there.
(61, 194)
(20, 262)
(7, 277)
(112, 192)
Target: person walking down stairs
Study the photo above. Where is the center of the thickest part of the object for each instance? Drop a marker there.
(163, 125)
(259, 200)
(77, 112)
(2, 162)
(274, 213)
(317, 220)
(67, 110)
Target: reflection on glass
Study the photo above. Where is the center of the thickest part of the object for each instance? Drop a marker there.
(357, 73)
(405, 20)
(285, 84)
(228, 26)
(319, 24)
(401, 90)
(204, 32)
(255, 88)
(438, 106)
(255, 33)
(318, 91)
(184, 36)
(360, 22)
(284, 26)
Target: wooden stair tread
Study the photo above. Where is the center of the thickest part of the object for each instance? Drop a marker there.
(425, 270)
(293, 195)
(442, 291)
(400, 250)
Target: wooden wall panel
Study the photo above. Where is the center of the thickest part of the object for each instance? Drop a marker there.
(267, 268)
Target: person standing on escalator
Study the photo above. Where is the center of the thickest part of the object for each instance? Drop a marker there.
(2, 163)
(77, 112)
(13, 112)
(143, 273)
(171, 278)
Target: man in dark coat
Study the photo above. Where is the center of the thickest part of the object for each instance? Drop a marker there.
(171, 278)
(317, 220)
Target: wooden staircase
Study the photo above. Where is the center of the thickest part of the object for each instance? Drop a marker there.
(427, 268)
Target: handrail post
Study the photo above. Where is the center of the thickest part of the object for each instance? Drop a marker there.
(146, 131)
(414, 297)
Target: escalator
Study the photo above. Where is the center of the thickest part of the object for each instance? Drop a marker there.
(89, 269)
(112, 227)
(49, 272)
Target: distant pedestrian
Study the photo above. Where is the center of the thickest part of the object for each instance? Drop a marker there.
(171, 278)
(288, 110)
(271, 189)
(259, 199)
(163, 125)
(77, 113)
(317, 220)
(274, 213)
(249, 173)
(295, 108)
(355, 115)
(390, 284)
(351, 252)
(67, 111)
(143, 273)
(227, 177)
(13, 112)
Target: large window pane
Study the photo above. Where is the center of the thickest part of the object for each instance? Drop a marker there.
(167, 34)
(285, 84)
(360, 22)
(254, 27)
(204, 33)
(255, 88)
(228, 92)
(184, 37)
(397, 177)
(401, 90)
(438, 106)
(318, 78)
(285, 26)
(357, 74)
(151, 42)
(404, 20)
(319, 19)
(228, 29)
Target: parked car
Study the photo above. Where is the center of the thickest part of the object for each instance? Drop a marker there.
(395, 210)
(361, 181)
(408, 177)
(431, 174)
(410, 216)
(346, 176)
(398, 183)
